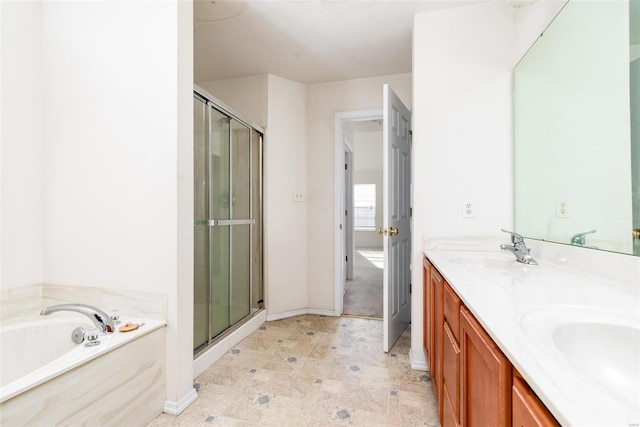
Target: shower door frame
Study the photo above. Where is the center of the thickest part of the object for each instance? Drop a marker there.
(258, 220)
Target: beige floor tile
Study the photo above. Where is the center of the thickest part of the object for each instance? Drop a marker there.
(370, 398)
(288, 385)
(373, 419)
(312, 371)
(250, 413)
(222, 375)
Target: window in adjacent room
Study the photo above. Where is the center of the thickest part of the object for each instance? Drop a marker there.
(364, 204)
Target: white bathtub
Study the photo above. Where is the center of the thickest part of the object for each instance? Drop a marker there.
(40, 364)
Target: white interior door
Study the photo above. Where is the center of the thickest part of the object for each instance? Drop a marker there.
(349, 247)
(396, 148)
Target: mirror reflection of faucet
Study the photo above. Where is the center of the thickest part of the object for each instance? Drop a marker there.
(518, 249)
(580, 239)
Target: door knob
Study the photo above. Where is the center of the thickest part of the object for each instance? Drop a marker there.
(393, 231)
(382, 231)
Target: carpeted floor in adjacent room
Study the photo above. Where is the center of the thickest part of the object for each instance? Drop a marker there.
(363, 296)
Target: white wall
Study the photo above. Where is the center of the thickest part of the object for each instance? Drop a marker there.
(111, 83)
(21, 150)
(367, 169)
(324, 100)
(246, 96)
(462, 131)
(286, 225)
(110, 127)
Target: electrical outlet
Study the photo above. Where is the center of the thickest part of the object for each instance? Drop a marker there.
(562, 208)
(468, 209)
(298, 196)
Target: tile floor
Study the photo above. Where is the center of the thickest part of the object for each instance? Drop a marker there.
(312, 371)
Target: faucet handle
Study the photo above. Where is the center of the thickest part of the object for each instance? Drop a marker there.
(580, 238)
(515, 237)
(115, 316)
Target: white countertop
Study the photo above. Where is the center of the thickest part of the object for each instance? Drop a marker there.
(520, 306)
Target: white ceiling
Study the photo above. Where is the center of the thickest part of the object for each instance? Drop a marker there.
(308, 41)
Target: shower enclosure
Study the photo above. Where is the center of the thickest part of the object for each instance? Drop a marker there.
(228, 283)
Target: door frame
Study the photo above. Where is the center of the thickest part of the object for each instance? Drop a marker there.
(339, 226)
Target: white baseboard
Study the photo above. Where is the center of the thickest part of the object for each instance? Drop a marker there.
(206, 359)
(418, 361)
(176, 408)
(300, 312)
(321, 312)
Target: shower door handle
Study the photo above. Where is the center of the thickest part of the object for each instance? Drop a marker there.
(221, 222)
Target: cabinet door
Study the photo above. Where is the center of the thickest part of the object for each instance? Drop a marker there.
(449, 418)
(485, 377)
(450, 377)
(438, 321)
(527, 409)
(427, 315)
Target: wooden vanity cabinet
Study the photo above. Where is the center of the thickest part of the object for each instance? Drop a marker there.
(527, 410)
(474, 382)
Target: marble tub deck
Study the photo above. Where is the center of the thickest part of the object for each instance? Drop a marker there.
(312, 371)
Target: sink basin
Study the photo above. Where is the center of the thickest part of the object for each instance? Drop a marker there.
(487, 262)
(601, 344)
(608, 353)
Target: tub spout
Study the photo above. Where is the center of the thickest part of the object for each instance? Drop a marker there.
(97, 316)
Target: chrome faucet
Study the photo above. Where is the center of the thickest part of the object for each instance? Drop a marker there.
(580, 238)
(99, 318)
(519, 249)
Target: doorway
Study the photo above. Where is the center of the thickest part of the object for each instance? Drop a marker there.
(364, 258)
(396, 212)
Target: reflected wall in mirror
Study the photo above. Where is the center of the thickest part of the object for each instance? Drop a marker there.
(577, 119)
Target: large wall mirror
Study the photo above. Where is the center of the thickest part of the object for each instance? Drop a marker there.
(577, 129)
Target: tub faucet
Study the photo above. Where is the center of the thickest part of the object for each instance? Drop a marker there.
(580, 238)
(519, 249)
(99, 318)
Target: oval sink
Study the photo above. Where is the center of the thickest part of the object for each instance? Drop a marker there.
(608, 353)
(601, 344)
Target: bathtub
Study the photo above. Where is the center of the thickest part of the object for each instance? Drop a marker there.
(47, 379)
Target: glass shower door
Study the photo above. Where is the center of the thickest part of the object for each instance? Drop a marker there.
(227, 236)
(201, 291)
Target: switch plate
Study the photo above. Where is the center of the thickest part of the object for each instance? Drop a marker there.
(562, 208)
(468, 209)
(298, 196)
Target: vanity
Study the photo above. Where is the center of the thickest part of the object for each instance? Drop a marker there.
(515, 344)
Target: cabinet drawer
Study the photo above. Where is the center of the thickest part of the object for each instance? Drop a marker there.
(451, 370)
(527, 409)
(452, 305)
